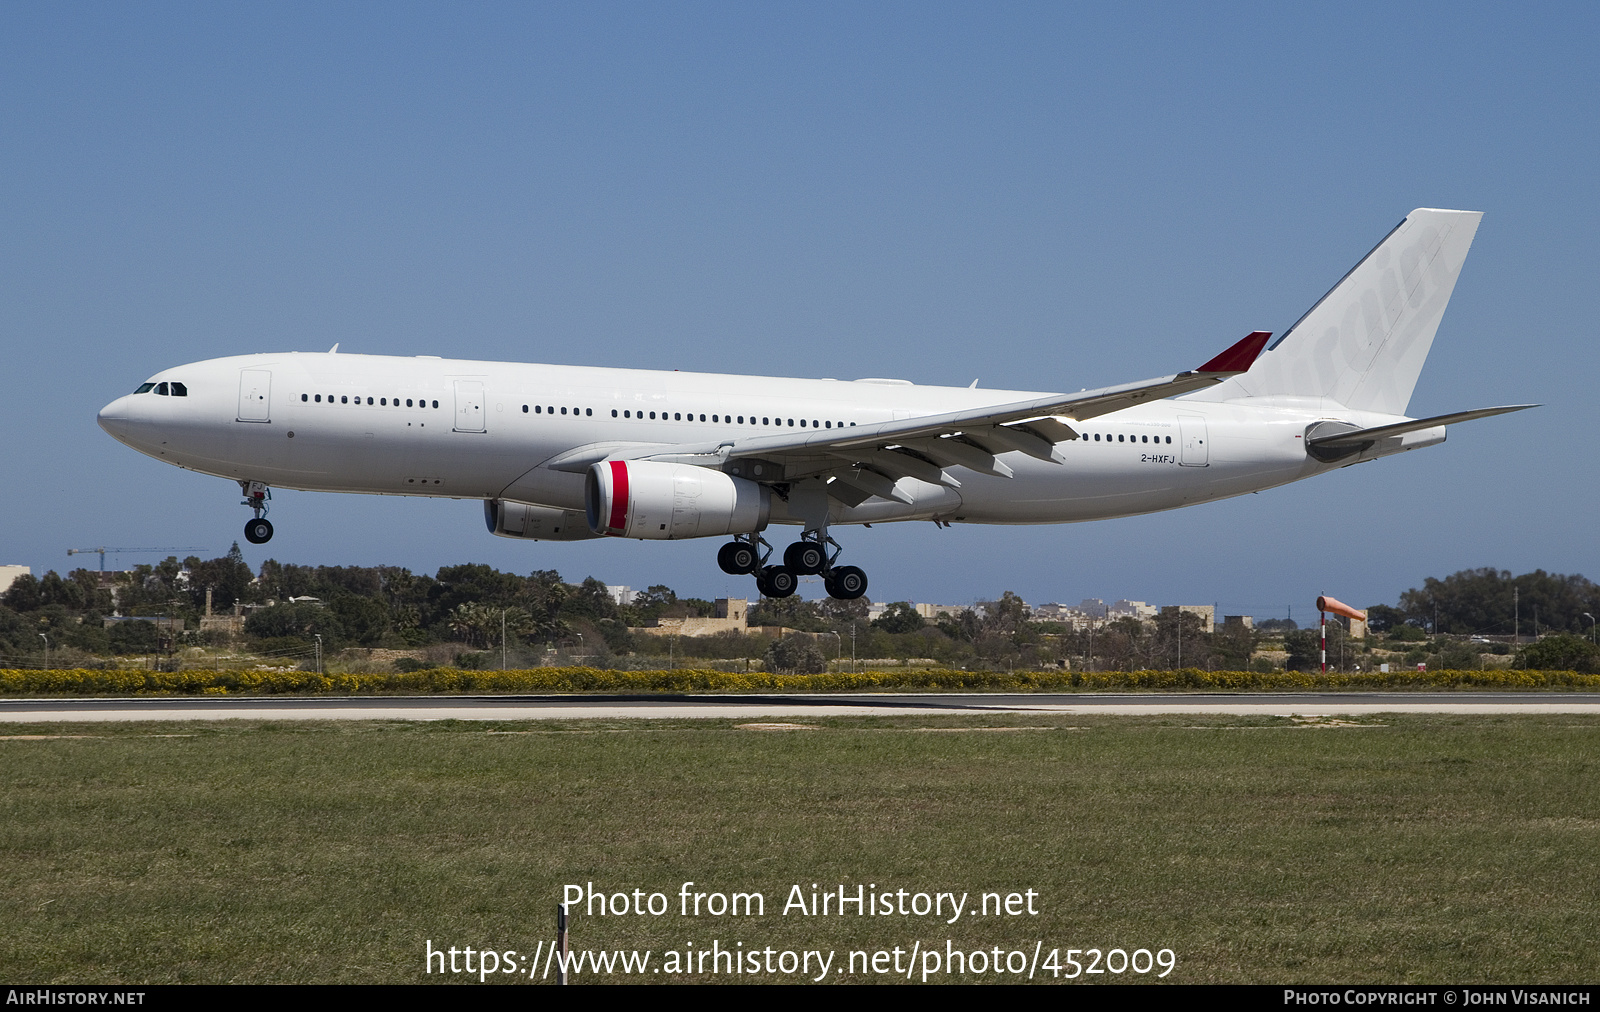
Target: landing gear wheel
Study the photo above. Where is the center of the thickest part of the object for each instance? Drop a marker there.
(258, 531)
(737, 558)
(846, 583)
(777, 581)
(805, 557)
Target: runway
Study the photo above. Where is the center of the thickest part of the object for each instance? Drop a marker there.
(749, 707)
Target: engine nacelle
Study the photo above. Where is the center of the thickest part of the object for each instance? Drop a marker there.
(537, 523)
(656, 501)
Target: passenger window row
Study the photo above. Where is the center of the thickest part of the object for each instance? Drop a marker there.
(381, 401)
(679, 416)
(163, 389)
(551, 409)
(1130, 439)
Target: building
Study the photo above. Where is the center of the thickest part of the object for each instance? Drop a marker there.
(1055, 612)
(1075, 617)
(1207, 613)
(1092, 607)
(732, 616)
(929, 612)
(622, 596)
(9, 574)
(232, 624)
(1132, 609)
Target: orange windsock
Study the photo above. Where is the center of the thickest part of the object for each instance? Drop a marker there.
(1339, 608)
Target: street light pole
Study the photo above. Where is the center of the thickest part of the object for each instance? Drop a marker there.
(1591, 626)
(319, 652)
(46, 650)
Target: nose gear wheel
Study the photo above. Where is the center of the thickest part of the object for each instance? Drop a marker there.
(256, 494)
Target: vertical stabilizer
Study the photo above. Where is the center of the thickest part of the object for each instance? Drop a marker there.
(1363, 344)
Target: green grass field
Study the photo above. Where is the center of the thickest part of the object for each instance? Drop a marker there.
(1426, 849)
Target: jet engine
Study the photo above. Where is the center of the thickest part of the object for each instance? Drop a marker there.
(656, 501)
(537, 523)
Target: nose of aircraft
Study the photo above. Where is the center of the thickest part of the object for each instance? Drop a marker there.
(114, 417)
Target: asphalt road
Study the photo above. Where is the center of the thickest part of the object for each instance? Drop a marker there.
(574, 707)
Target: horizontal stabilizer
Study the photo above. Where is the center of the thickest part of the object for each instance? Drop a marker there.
(1355, 437)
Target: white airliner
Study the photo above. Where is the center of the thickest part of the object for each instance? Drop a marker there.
(563, 453)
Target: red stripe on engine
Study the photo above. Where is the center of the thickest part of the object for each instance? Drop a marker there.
(619, 495)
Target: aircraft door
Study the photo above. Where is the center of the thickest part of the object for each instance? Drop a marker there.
(1192, 435)
(469, 406)
(255, 395)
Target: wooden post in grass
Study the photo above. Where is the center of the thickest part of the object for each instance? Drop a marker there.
(561, 940)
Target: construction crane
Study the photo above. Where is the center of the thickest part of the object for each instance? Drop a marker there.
(103, 552)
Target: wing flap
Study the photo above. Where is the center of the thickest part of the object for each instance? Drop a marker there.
(1053, 429)
(898, 465)
(951, 451)
(860, 485)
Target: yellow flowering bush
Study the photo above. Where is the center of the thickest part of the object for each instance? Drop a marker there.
(126, 682)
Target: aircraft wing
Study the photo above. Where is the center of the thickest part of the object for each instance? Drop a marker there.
(871, 458)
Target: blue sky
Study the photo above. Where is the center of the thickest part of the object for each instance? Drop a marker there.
(1040, 196)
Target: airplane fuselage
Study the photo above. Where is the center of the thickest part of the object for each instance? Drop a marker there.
(486, 430)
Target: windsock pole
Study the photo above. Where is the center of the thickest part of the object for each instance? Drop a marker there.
(1326, 604)
(1324, 640)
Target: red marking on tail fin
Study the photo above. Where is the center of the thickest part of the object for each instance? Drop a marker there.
(1238, 357)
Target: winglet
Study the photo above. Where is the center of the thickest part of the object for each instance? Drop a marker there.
(1238, 358)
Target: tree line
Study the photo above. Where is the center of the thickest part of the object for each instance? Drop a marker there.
(481, 609)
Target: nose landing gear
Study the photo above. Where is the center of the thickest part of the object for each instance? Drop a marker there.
(256, 494)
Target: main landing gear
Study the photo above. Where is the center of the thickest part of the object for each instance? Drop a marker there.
(256, 494)
(748, 554)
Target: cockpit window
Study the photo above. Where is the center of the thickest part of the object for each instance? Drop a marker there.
(179, 390)
(145, 388)
(161, 389)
